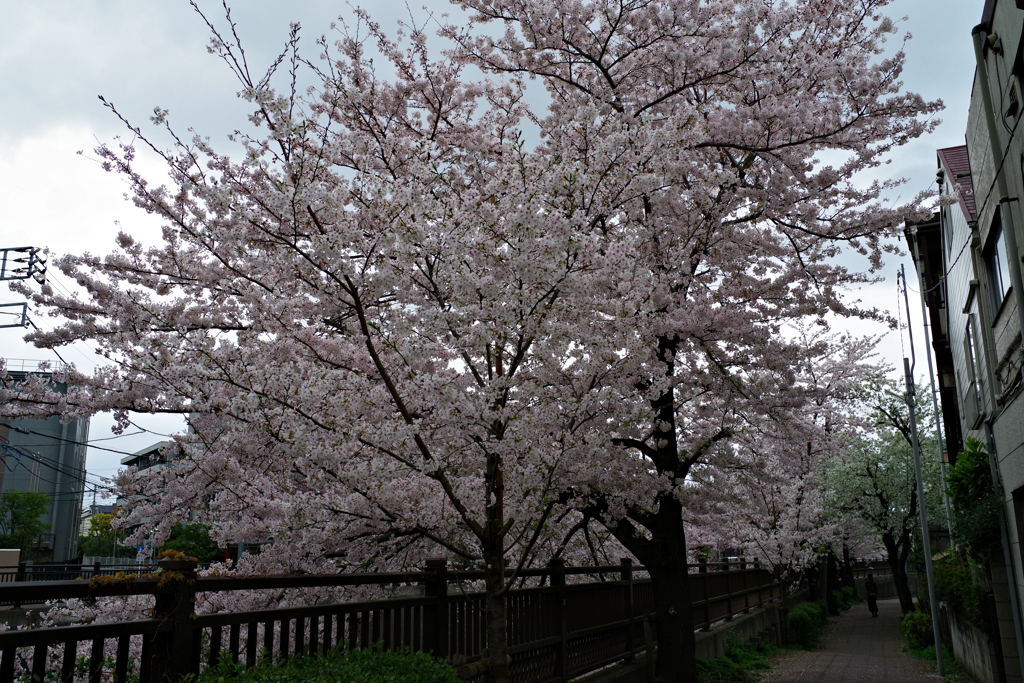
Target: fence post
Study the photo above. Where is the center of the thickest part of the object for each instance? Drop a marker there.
(702, 568)
(650, 651)
(728, 589)
(626, 575)
(557, 566)
(436, 622)
(172, 649)
(96, 569)
(760, 582)
(746, 586)
(23, 574)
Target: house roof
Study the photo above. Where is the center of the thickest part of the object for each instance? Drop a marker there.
(956, 164)
(152, 450)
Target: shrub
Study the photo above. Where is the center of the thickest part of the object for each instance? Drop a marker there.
(805, 623)
(722, 670)
(917, 628)
(739, 664)
(976, 520)
(845, 598)
(957, 585)
(351, 666)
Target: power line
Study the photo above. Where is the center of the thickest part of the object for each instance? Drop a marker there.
(49, 463)
(77, 443)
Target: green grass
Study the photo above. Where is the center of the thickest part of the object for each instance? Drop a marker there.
(350, 666)
(952, 671)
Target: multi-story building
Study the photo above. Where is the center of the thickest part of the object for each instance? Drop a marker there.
(155, 457)
(47, 456)
(970, 259)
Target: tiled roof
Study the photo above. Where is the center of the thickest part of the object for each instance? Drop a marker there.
(956, 164)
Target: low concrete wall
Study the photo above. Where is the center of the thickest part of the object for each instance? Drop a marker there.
(886, 586)
(764, 623)
(972, 648)
(760, 624)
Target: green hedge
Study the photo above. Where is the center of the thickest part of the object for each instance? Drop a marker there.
(350, 666)
(806, 621)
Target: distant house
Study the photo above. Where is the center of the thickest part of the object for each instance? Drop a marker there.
(87, 514)
(47, 456)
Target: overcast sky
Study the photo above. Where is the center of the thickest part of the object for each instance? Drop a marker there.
(57, 56)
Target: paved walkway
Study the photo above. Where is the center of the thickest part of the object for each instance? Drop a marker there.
(857, 649)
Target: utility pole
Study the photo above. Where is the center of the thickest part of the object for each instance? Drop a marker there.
(926, 543)
(931, 378)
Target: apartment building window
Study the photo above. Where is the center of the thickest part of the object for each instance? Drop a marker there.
(972, 407)
(996, 264)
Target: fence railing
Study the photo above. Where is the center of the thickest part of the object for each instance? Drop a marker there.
(557, 630)
(28, 571)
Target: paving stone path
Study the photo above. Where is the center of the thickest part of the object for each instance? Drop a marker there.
(857, 649)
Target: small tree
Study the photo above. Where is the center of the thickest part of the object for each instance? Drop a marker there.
(20, 525)
(194, 540)
(874, 478)
(103, 540)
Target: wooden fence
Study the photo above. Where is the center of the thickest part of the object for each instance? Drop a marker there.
(557, 631)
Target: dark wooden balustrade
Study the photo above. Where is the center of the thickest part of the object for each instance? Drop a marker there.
(558, 630)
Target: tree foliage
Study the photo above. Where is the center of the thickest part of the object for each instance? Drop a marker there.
(769, 496)
(103, 540)
(20, 523)
(975, 502)
(194, 540)
(874, 478)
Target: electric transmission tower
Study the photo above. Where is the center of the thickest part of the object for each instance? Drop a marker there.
(21, 263)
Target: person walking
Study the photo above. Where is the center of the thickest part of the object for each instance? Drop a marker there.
(872, 589)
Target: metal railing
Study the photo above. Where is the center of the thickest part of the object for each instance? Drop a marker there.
(68, 571)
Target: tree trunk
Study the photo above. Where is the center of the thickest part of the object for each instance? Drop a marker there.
(899, 575)
(831, 584)
(847, 569)
(497, 627)
(494, 571)
(897, 563)
(677, 661)
(664, 557)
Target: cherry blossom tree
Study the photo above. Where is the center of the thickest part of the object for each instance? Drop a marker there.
(400, 326)
(873, 477)
(768, 494)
